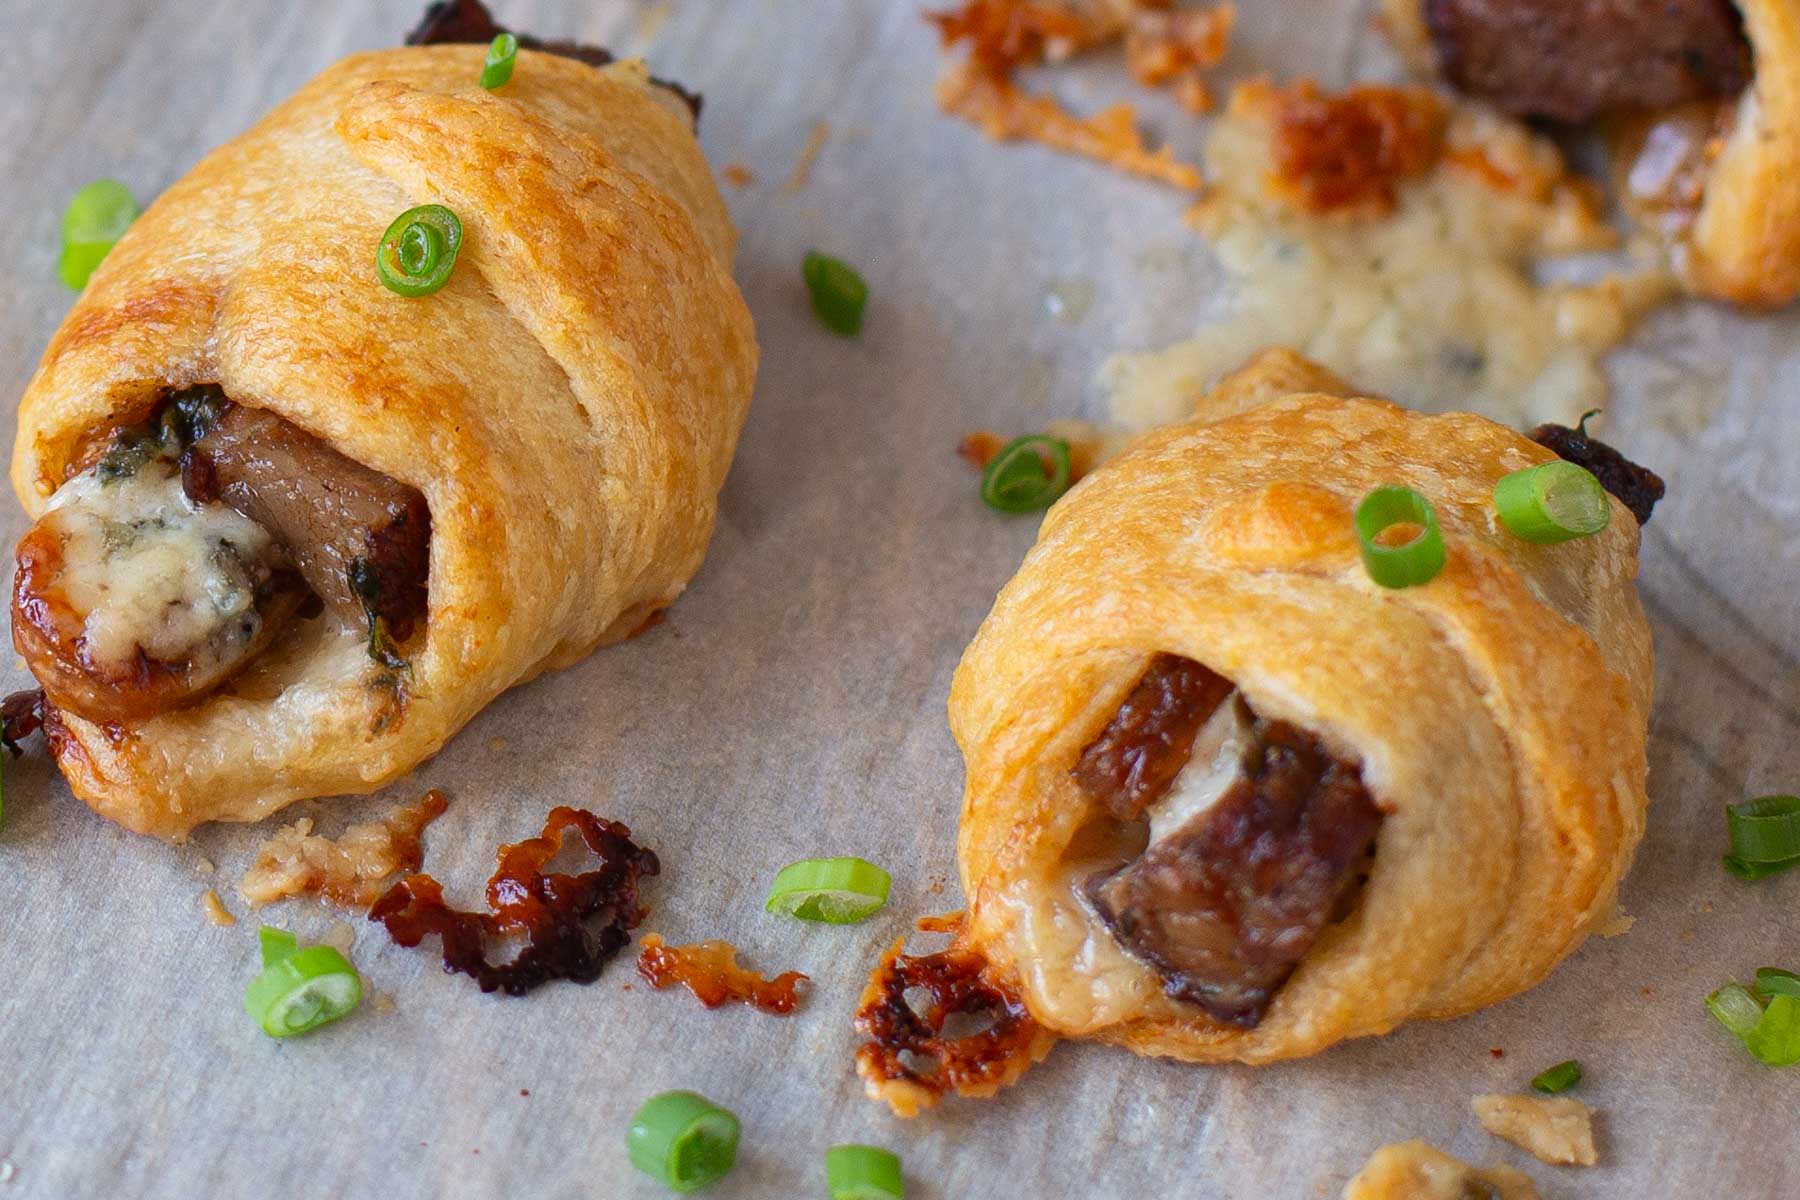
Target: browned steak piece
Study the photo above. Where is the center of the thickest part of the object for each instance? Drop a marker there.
(1141, 750)
(1571, 60)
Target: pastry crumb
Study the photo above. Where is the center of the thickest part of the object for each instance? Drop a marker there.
(349, 871)
(1416, 1171)
(1556, 1129)
(215, 909)
(809, 154)
(1618, 924)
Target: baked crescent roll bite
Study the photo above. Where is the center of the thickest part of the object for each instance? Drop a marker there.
(1230, 798)
(297, 524)
(1702, 98)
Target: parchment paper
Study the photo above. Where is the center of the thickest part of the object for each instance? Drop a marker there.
(793, 705)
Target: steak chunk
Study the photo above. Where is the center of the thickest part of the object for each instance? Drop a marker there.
(1148, 741)
(1637, 488)
(1232, 891)
(1572, 60)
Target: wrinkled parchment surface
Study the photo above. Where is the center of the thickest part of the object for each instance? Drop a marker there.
(793, 703)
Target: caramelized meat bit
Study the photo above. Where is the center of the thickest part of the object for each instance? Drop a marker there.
(1226, 904)
(349, 871)
(1572, 60)
(710, 970)
(1148, 741)
(1350, 152)
(21, 715)
(328, 512)
(909, 1062)
(552, 911)
(464, 22)
(1637, 488)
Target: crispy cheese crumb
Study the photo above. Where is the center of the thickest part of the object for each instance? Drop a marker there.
(350, 871)
(809, 154)
(215, 909)
(1556, 1129)
(1415, 1171)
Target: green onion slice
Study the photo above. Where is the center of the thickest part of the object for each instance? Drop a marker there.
(1411, 563)
(276, 944)
(1776, 1039)
(1736, 1009)
(1773, 981)
(863, 1173)
(1753, 871)
(97, 217)
(499, 65)
(838, 292)
(306, 989)
(683, 1140)
(837, 891)
(418, 251)
(1552, 502)
(1028, 474)
(1560, 1078)
(1765, 830)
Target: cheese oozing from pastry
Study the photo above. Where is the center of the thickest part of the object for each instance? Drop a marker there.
(148, 569)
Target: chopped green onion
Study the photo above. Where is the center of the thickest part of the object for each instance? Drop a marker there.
(1411, 563)
(1753, 871)
(1736, 1009)
(1765, 830)
(837, 891)
(302, 991)
(1552, 502)
(499, 65)
(1560, 1078)
(1773, 981)
(1776, 1039)
(97, 217)
(418, 251)
(276, 944)
(1028, 474)
(682, 1140)
(863, 1173)
(838, 292)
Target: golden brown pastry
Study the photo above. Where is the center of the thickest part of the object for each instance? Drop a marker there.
(1229, 799)
(238, 425)
(1702, 96)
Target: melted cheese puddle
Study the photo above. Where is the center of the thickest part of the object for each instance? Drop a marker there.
(1434, 305)
(149, 568)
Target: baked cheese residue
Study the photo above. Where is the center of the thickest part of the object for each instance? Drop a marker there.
(1436, 303)
(215, 909)
(1556, 1129)
(351, 870)
(1415, 1171)
(151, 569)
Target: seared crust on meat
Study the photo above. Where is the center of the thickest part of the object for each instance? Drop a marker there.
(1498, 714)
(567, 404)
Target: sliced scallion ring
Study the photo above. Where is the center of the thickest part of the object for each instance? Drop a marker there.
(1765, 830)
(1560, 1078)
(836, 891)
(682, 1140)
(97, 216)
(418, 251)
(276, 944)
(499, 65)
(1028, 474)
(1752, 871)
(838, 293)
(1736, 1009)
(1775, 1040)
(1773, 981)
(1552, 502)
(302, 991)
(863, 1173)
(1413, 562)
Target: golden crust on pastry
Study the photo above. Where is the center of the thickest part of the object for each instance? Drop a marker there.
(1499, 713)
(568, 403)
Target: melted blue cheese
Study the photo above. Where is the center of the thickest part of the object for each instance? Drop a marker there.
(148, 568)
